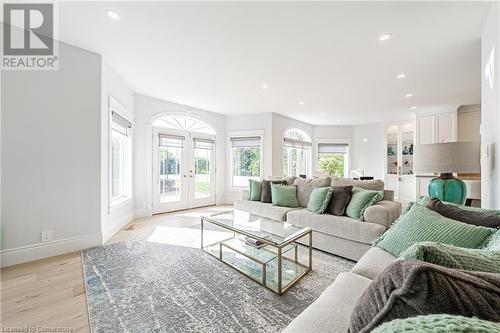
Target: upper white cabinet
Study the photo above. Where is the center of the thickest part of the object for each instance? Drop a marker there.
(437, 128)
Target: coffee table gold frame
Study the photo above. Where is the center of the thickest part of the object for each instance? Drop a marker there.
(280, 249)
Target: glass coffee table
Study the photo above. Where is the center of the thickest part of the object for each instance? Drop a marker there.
(263, 249)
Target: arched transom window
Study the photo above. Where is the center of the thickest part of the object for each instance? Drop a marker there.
(296, 153)
(183, 122)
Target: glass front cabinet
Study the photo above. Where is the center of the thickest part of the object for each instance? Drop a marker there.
(400, 178)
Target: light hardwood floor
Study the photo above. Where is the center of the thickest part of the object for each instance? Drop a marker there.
(50, 292)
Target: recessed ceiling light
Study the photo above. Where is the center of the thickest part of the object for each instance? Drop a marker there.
(301, 103)
(408, 95)
(385, 36)
(413, 107)
(113, 15)
(322, 114)
(265, 86)
(338, 120)
(365, 139)
(401, 76)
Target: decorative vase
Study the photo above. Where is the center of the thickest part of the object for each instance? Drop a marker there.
(448, 188)
(411, 149)
(405, 150)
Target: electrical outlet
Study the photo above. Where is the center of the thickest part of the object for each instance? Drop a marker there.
(47, 235)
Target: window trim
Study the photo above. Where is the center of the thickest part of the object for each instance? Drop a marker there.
(121, 111)
(334, 141)
(243, 134)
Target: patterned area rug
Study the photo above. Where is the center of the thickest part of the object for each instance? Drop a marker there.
(141, 286)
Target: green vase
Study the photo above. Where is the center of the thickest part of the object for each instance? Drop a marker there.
(448, 188)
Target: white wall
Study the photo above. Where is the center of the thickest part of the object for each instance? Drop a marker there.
(369, 155)
(146, 108)
(50, 157)
(112, 219)
(490, 106)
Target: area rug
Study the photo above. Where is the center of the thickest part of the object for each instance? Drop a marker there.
(141, 286)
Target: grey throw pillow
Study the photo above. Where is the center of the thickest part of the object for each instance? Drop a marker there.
(266, 189)
(482, 219)
(305, 187)
(340, 198)
(411, 288)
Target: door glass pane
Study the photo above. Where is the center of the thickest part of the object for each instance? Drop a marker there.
(170, 173)
(117, 164)
(202, 165)
(407, 152)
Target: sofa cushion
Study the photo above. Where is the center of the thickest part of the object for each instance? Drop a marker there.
(373, 263)
(424, 200)
(266, 189)
(410, 288)
(453, 212)
(263, 209)
(340, 198)
(421, 224)
(340, 226)
(383, 212)
(331, 312)
(319, 199)
(374, 184)
(305, 187)
(361, 199)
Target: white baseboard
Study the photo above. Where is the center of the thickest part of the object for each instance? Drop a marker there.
(37, 251)
(111, 231)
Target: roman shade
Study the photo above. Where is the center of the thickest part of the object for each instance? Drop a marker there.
(293, 143)
(332, 148)
(249, 141)
(169, 140)
(119, 123)
(200, 143)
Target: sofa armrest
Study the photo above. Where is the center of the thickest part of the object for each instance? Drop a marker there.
(244, 194)
(383, 212)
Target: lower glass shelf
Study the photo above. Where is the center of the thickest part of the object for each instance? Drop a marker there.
(248, 260)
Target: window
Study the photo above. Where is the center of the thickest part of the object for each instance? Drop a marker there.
(185, 123)
(170, 153)
(333, 158)
(245, 159)
(296, 153)
(120, 158)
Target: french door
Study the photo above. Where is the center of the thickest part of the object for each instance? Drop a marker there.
(183, 170)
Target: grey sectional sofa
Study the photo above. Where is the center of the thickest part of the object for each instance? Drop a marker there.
(339, 235)
(331, 312)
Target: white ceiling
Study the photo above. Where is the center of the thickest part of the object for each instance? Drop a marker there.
(217, 56)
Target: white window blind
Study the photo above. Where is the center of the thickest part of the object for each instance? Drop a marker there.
(293, 143)
(168, 140)
(250, 141)
(119, 123)
(200, 143)
(333, 148)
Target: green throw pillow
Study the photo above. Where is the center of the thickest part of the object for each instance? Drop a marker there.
(284, 196)
(360, 200)
(438, 323)
(255, 190)
(454, 257)
(421, 224)
(424, 200)
(319, 199)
